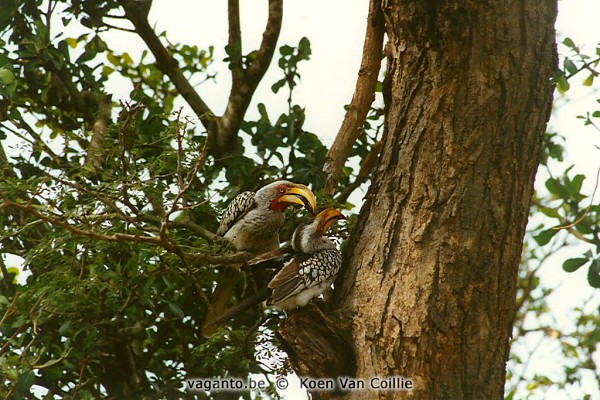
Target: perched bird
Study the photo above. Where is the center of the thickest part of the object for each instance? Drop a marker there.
(315, 264)
(313, 268)
(251, 223)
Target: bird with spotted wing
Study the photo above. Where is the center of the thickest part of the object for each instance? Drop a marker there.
(251, 223)
(314, 265)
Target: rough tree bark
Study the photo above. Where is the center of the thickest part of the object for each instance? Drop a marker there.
(430, 275)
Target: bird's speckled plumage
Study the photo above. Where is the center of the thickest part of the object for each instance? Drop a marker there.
(314, 267)
(306, 277)
(237, 208)
(251, 223)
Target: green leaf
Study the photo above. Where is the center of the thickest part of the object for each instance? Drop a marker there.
(594, 274)
(556, 188)
(176, 309)
(106, 70)
(6, 76)
(127, 58)
(86, 395)
(545, 236)
(573, 187)
(589, 81)
(113, 58)
(65, 328)
(550, 212)
(573, 264)
(562, 84)
(570, 66)
(278, 85)
(26, 381)
(52, 362)
(569, 43)
(304, 49)
(286, 50)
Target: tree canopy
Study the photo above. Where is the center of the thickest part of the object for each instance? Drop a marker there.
(111, 204)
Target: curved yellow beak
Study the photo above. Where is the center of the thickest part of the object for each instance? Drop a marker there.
(327, 218)
(300, 194)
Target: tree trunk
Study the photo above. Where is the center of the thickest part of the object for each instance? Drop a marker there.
(430, 275)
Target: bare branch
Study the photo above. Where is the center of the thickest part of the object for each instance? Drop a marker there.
(364, 173)
(241, 94)
(144, 217)
(96, 150)
(235, 43)
(364, 94)
(137, 13)
(10, 309)
(37, 140)
(189, 225)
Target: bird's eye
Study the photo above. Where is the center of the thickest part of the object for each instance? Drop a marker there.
(281, 189)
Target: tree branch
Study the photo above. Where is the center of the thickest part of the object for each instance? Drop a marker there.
(364, 94)
(137, 12)
(145, 217)
(235, 43)
(365, 172)
(239, 257)
(223, 130)
(241, 94)
(96, 150)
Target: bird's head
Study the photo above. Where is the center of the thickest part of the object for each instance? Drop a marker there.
(309, 236)
(283, 194)
(327, 218)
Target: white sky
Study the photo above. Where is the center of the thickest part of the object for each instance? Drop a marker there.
(328, 79)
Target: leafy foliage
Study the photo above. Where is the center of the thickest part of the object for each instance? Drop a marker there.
(109, 206)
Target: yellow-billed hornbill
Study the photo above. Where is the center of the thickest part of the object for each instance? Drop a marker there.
(313, 268)
(251, 223)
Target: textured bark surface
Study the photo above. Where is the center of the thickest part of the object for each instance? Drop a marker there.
(431, 268)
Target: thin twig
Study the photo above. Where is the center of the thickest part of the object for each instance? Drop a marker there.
(5, 274)
(9, 309)
(124, 237)
(81, 373)
(587, 210)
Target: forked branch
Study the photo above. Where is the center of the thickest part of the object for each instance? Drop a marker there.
(223, 130)
(136, 11)
(245, 81)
